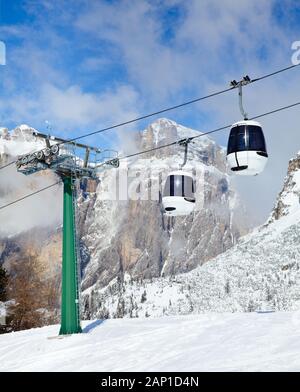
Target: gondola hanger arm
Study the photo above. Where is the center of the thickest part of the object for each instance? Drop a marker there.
(184, 142)
(246, 80)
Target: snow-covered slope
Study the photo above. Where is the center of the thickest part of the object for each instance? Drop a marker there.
(223, 342)
(262, 271)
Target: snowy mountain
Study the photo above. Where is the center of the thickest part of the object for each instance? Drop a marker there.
(19, 141)
(260, 272)
(124, 232)
(211, 342)
(132, 235)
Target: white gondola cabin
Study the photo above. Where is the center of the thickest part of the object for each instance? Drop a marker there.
(179, 194)
(246, 149)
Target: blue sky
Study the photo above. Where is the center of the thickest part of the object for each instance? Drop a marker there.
(87, 64)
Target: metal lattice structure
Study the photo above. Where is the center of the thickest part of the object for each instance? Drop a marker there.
(72, 162)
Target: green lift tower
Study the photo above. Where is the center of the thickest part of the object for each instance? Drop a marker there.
(63, 158)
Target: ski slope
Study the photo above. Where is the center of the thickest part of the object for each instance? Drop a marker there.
(210, 342)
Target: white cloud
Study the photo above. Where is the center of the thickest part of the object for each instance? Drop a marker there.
(212, 43)
(73, 107)
(206, 33)
(41, 210)
(136, 31)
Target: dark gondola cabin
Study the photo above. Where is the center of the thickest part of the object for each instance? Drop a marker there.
(246, 149)
(179, 194)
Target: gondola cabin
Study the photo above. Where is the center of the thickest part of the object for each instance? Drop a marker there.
(246, 149)
(179, 194)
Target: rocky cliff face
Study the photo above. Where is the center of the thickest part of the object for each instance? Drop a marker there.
(288, 199)
(134, 236)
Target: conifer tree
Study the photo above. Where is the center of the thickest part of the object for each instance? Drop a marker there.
(3, 284)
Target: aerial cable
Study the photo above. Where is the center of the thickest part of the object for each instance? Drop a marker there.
(160, 147)
(275, 73)
(170, 109)
(200, 135)
(8, 164)
(176, 106)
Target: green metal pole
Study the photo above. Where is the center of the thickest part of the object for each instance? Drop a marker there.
(70, 315)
